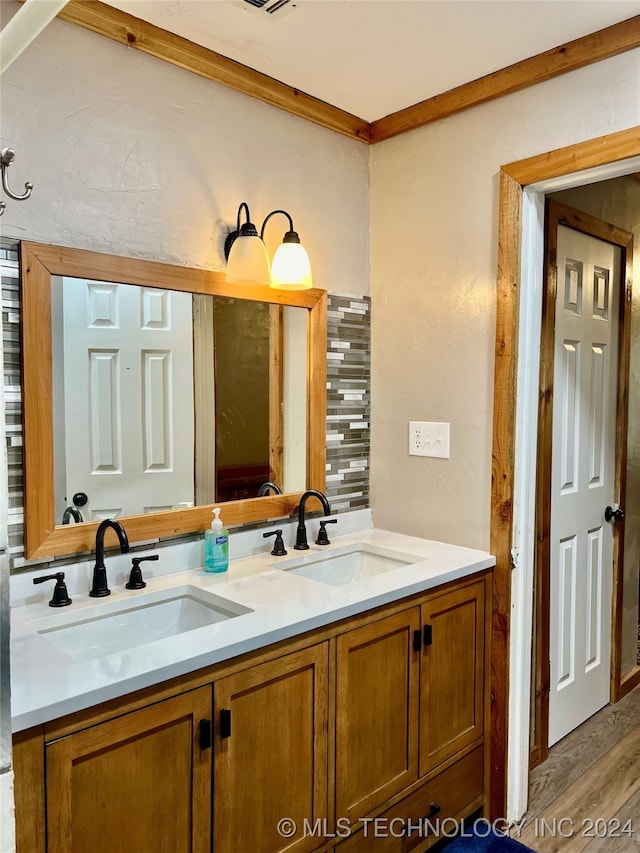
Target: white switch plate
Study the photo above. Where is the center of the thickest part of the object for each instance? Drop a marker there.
(429, 439)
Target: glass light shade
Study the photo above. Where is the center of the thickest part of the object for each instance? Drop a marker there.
(291, 268)
(248, 262)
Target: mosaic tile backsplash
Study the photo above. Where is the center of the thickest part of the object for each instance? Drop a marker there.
(348, 399)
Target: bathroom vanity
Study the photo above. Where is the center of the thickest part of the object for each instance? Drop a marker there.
(336, 699)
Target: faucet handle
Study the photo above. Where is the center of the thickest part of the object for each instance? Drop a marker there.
(60, 597)
(135, 577)
(278, 545)
(323, 539)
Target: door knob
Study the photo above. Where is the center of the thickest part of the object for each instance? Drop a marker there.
(611, 514)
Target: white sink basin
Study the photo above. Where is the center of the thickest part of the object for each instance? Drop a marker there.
(347, 564)
(116, 626)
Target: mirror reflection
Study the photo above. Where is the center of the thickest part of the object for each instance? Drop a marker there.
(165, 399)
(112, 419)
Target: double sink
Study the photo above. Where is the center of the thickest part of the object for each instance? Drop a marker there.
(117, 626)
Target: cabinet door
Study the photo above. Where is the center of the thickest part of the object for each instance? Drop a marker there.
(377, 713)
(452, 676)
(139, 782)
(271, 753)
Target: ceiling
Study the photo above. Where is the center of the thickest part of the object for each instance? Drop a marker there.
(374, 57)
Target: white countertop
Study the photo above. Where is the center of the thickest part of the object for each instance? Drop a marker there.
(48, 683)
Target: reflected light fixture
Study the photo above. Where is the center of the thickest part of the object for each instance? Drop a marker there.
(248, 261)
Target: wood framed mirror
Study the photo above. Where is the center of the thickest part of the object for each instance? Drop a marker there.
(41, 267)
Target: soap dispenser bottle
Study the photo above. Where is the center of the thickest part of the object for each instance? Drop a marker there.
(216, 546)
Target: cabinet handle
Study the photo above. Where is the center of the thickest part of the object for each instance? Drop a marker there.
(417, 641)
(225, 722)
(205, 734)
(428, 635)
(434, 809)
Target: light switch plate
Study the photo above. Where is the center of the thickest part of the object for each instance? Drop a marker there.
(429, 439)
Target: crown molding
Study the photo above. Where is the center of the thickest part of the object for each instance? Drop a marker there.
(131, 31)
(559, 60)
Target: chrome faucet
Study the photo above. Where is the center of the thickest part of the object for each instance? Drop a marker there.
(99, 586)
(301, 531)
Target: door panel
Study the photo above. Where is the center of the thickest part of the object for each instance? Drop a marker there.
(452, 679)
(148, 765)
(377, 691)
(128, 419)
(582, 477)
(271, 762)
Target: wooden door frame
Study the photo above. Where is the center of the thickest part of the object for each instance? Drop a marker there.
(559, 214)
(514, 177)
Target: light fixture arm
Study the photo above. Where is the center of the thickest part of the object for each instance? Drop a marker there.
(7, 156)
(289, 232)
(247, 213)
(247, 229)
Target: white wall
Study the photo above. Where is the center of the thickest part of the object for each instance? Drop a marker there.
(133, 156)
(434, 238)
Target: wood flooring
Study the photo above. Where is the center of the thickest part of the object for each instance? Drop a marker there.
(586, 797)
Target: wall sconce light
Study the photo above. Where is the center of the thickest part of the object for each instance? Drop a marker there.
(248, 261)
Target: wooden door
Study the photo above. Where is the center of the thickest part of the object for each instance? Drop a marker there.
(452, 674)
(271, 754)
(141, 782)
(377, 679)
(128, 397)
(583, 469)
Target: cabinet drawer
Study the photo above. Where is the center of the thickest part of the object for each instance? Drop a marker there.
(457, 790)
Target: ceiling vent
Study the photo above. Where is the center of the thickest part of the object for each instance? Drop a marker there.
(273, 8)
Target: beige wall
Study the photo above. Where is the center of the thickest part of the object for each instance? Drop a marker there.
(131, 155)
(434, 215)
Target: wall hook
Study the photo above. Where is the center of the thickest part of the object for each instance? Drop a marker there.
(7, 156)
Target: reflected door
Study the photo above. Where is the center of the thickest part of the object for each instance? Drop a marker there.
(128, 392)
(583, 478)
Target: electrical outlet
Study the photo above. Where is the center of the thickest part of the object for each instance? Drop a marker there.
(429, 439)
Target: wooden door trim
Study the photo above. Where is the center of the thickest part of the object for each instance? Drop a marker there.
(629, 682)
(502, 481)
(139, 34)
(619, 686)
(513, 178)
(560, 214)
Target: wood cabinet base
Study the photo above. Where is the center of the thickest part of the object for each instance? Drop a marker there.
(374, 727)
